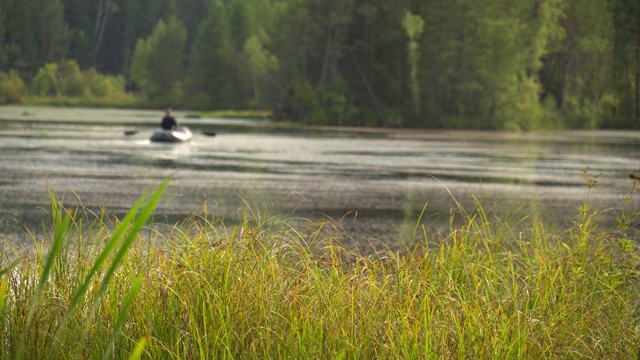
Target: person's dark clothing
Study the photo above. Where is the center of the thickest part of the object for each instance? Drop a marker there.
(169, 123)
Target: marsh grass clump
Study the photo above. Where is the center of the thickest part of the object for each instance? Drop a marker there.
(113, 288)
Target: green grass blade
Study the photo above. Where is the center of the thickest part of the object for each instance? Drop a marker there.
(110, 246)
(56, 248)
(124, 309)
(3, 294)
(9, 267)
(415, 228)
(131, 236)
(104, 254)
(139, 349)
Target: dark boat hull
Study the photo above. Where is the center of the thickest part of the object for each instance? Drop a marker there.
(181, 134)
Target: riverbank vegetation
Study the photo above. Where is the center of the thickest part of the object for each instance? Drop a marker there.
(101, 287)
(532, 64)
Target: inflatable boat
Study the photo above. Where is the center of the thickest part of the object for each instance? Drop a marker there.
(180, 134)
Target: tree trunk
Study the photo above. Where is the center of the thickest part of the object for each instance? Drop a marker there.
(372, 43)
(637, 97)
(256, 93)
(326, 58)
(374, 99)
(563, 86)
(101, 22)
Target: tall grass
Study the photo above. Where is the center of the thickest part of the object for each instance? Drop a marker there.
(263, 289)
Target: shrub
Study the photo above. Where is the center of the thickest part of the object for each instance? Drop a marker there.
(44, 83)
(71, 86)
(100, 85)
(12, 87)
(70, 79)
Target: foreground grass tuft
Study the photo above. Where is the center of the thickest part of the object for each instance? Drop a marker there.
(109, 288)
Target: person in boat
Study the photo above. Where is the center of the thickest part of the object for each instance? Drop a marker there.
(168, 121)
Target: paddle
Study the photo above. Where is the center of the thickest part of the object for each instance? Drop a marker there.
(205, 133)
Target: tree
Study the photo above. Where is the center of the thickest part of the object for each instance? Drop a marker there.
(542, 33)
(132, 20)
(52, 30)
(493, 60)
(626, 54)
(157, 65)
(211, 72)
(130, 32)
(261, 62)
(578, 70)
(20, 43)
(311, 48)
(77, 16)
(453, 63)
(248, 19)
(192, 13)
(104, 10)
(3, 53)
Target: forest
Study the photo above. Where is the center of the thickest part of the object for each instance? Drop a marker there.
(483, 64)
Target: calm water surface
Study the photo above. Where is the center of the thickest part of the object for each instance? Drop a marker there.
(374, 183)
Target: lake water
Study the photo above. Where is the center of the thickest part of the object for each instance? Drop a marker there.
(372, 183)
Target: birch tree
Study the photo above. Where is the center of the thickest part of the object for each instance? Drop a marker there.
(413, 25)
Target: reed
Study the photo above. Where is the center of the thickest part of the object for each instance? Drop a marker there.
(102, 287)
(233, 114)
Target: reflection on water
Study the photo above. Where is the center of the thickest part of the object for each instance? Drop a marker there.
(381, 180)
(168, 155)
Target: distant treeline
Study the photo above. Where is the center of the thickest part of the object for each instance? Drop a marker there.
(526, 64)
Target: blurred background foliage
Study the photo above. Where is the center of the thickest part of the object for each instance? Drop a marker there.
(500, 64)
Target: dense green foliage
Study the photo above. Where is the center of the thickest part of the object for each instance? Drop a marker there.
(528, 64)
(102, 287)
